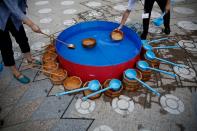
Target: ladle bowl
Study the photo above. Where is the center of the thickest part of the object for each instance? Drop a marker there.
(143, 65)
(114, 84)
(132, 74)
(150, 55)
(117, 35)
(159, 21)
(93, 85)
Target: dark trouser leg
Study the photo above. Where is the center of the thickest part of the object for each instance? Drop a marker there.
(6, 48)
(148, 5)
(20, 37)
(162, 5)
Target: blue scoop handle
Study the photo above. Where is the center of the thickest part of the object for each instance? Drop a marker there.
(95, 93)
(162, 15)
(161, 39)
(166, 47)
(148, 87)
(162, 71)
(72, 91)
(166, 61)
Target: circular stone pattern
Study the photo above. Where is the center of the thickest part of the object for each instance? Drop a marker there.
(172, 104)
(123, 105)
(95, 13)
(185, 72)
(45, 20)
(85, 107)
(67, 2)
(93, 4)
(103, 128)
(69, 11)
(45, 10)
(187, 25)
(188, 45)
(41, 2)
(120, 7)
(69, 22)
(183, 10)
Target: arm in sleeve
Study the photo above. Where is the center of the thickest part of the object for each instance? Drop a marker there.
(13, 7)
(131, 5)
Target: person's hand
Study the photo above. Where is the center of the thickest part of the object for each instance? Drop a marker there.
(33, 26)
(36, 28)
(119, 27)
(167, 8)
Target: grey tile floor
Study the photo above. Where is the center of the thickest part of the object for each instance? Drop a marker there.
(34, 107)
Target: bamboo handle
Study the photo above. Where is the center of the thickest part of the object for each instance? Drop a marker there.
(34, 65)
(45, 71)
(53, 38)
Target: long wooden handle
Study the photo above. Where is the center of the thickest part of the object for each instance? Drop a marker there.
(50, 36)
(34, 65)
(45, 71)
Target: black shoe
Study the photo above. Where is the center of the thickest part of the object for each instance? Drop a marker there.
(143, 36)
(166, 31)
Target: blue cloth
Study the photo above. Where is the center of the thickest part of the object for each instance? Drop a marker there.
(15, 9)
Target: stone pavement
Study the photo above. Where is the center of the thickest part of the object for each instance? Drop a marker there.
(34, 107)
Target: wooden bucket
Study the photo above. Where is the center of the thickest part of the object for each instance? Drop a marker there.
(51, 48)
(154, 63)
(48, 57)
(60, 77)
(87, 92)
(50, 67)
(146, 75)
(132, 85)
(71, 83)
(111, 93)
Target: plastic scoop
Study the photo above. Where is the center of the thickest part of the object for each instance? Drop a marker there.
(149, 47)
(149, 55)
(156, 40)
(93, 85)
(114, 84)
(143, 65)
(159, 21)
(132, 74)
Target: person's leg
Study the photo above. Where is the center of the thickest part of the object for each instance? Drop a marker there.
(148, 5)
(8, 55)
(162, 5)
(7, 52)
(21, 39)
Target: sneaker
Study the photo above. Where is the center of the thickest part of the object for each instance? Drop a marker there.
(22, 79)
